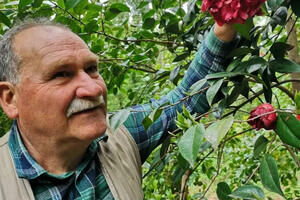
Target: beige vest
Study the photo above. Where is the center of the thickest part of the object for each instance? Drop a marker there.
(120, 164)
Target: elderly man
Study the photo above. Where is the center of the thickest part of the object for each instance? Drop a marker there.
(60, 146)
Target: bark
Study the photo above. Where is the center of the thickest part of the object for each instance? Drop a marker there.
(294, 53)
(184, 187)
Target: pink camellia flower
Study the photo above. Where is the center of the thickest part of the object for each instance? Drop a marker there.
(267, 121)
(232, 11)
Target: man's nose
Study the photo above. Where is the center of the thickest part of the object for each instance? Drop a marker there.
(88, 86)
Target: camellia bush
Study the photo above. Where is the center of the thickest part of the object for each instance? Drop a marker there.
(247, 145)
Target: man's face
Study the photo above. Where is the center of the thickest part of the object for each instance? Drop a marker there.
(56, 68)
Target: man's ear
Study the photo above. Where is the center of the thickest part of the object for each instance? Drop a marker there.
(7, 99)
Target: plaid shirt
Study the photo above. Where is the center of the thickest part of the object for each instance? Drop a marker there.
(88, 182)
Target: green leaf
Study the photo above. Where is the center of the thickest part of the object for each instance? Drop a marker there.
(260, 146)
(223, 190)
(4, 19)
(212, 91)
(197, 86)
(255, 64)
(248, 192)
(148, 14)
(269, 174)
(114, 10)
(152, 117)
(181, 57)
(216, 131)
(273, 4)
(287, 128)
(71, 3)
(119, 7)
(244, 29)
(233, 64)
(149, 23)
(284, 66)
(190, 142)
(240, 52)
(24, 3)
(147, 34)
(191, 12)
(81, 6)
(279, 49)
(174, 74)
(279, 16)
(297, 102)
(147, 122)
(223, 75)
(91, 26)
(37, 3)
(142, 4)
(119, 118)
(295, 4)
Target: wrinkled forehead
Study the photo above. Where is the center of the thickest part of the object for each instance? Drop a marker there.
(42, 39)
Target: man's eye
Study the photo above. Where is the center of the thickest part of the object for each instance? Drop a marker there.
(91, 69)
(62, 74)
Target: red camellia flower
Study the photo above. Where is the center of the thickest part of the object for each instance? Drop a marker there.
(267, 121)
(232, 11)
(298, 117)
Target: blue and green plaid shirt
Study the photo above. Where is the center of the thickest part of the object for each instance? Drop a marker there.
(88, 182)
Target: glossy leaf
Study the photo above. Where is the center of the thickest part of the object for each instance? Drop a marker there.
(223, 75)
(181, 57)
(149, 23)
(119, 118)
(212, 91)
(216, 131)
(37, 3)
(190, 142)
(284, 66)
(250, 192)
(233, 64)
(223, 190)
(197, 86)
(255, 64)
(260, 146)
(152, 117)
(71, 3)
(4, 19)
(297, 102)
(279, 16)
(269, 174)
(240, 52)
(279, 49)
(119, 7)
(244, 29)
(273, 4)
(24, 3)
(287, 128)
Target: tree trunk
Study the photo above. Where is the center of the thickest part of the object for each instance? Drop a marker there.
(294, 53)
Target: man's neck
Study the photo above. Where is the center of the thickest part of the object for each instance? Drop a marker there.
(56, 157)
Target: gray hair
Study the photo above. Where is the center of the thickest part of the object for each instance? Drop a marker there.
(9, 60)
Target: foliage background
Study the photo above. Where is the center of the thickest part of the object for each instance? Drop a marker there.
(144, 47)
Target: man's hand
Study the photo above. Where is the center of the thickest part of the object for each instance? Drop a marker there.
(225, 33)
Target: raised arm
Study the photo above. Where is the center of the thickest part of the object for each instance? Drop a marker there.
(209, 59)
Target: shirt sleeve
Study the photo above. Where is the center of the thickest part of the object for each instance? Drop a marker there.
(209, 59)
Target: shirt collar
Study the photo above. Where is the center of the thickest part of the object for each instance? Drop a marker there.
(27, 167)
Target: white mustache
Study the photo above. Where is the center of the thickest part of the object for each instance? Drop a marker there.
(78, 105)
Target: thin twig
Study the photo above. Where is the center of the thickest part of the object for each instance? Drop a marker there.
(292, 154)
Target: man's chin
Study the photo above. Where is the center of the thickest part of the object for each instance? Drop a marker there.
(91, 132)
